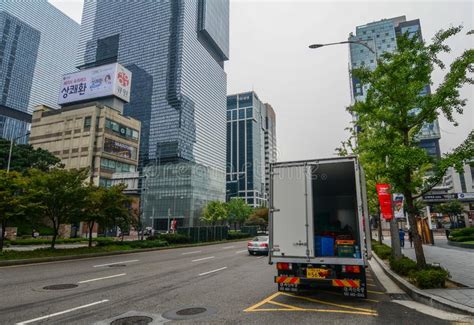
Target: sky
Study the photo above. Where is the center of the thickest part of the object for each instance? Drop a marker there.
(309, 89)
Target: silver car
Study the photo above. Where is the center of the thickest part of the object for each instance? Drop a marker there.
(258, 245)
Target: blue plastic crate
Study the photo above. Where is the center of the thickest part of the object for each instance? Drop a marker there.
(323, 246)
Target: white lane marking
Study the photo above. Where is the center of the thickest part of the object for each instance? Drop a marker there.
(238, 252)
(209, 272)
(105, 277)
(187, 253)
(62, 312)
(130, 261)
(260, 257)
(202, 259)
(228, 247)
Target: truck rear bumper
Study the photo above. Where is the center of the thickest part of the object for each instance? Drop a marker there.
(318, 282)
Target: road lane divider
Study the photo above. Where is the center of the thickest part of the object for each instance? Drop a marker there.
(228, 247)
(103, 278)
(62, 312)
(123, 262)
(242, 251)
(213, 271)
(203, 259)
(195, 252)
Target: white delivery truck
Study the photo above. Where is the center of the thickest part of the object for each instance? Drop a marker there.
(319, 229)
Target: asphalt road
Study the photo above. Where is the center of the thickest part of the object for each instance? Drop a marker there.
(232, 286)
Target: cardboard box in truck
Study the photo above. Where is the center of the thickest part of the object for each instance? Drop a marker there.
(319, 229)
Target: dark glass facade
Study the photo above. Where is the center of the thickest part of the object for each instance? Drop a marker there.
(246, 148)
(380, 36)
(176, 52)
(37, 46)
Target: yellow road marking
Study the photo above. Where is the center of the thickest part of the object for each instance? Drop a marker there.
(263, 302)
(376, 292)
(371, 285)
(285, 305)
(341, 295)
(320, 310)
(328, 303)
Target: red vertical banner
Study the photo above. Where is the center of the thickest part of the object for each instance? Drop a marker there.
(385, 200)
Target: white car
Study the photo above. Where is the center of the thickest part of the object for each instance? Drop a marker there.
(258, 245)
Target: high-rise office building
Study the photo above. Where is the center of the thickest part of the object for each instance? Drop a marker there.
(176, 52)
(251, 146)
(380, 36)
(37, 46)
(270, 144)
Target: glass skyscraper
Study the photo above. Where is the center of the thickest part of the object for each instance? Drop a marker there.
(176, 52)
(380, 36)
(37, 46)
(251, 146)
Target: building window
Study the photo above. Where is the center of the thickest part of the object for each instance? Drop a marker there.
(105, 182)
(463, 182)
(121, 130)
(116, 166)
(87, 122)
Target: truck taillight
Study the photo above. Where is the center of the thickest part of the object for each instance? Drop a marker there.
(351, 269)
(283, 266)
(264, 245)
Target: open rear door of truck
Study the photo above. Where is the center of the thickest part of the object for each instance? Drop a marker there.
(291, 219)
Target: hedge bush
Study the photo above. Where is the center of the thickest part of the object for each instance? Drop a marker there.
(171, 238)
(237, 235)
(430, 278)
(43, 241)
(383, 251)
(461, 239)
(403, 266)
(462, 232)
(134, 243)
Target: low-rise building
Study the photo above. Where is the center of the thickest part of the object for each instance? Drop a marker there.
(89, 135)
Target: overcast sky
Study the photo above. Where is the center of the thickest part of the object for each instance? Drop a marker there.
(309, 89)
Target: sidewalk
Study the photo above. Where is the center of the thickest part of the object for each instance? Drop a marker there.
(33, 247)
(458, 261)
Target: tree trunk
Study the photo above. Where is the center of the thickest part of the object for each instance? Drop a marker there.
(2, 234)
(417, 243)
(55, 234)
(91, 227)
(395, 239)
(379, 226)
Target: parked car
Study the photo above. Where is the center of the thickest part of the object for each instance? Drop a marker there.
(258, 245)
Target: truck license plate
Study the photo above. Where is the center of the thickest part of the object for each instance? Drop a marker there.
(312, 273)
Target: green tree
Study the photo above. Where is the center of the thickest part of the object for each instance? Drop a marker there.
(259, 217)
(238, 211)
(452, 208)
(393, 113)
(59, 196)
(12, 199)
(107, 207)
(214, 212)
(24, 156)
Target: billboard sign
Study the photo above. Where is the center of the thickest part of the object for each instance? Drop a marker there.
(106, 80)
(385, 200)
(398, 206)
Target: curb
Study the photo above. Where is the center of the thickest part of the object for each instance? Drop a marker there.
(91, 255)
(460, 244)
(424, 297)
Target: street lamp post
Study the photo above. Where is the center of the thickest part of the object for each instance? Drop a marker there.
(316, 46)
(11, 149)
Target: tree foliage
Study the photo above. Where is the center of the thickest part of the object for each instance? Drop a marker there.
(397, 106)
(24, 156)
(238, 210)
(452, 209)
(59, 195)
(12, 202)
(214, 212)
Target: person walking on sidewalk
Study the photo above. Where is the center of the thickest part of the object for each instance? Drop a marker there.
(401, 233)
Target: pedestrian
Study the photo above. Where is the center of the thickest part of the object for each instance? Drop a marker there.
(447, 231)
(410, 237)
(401, 233)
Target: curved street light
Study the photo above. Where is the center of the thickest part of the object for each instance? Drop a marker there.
(316, 46)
